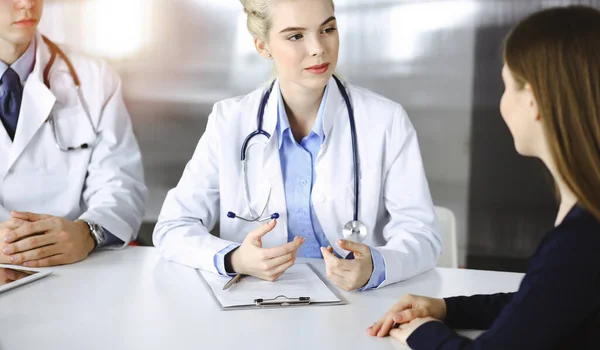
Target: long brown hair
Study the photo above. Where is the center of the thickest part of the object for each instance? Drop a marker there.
(557, 51)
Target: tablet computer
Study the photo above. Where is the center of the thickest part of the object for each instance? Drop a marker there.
(12, 276)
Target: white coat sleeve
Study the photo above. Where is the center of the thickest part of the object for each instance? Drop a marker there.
(114, 194)
(4, 214)
(413, 241)
(191, 209)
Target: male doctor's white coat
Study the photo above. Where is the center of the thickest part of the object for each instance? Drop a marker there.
(395, 203)
(104, 183)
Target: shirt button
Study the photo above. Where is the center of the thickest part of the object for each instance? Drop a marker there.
(301, 212)
(303, 182)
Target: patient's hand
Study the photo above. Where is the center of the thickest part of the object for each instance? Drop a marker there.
(408, 308)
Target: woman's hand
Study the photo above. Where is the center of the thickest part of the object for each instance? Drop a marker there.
(349, 274)
(405, 330)
(408, 308)
(264, 263)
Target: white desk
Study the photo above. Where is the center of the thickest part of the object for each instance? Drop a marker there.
(132, 299)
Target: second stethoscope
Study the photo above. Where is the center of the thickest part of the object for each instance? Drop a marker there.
(354, 230)
(56, 51)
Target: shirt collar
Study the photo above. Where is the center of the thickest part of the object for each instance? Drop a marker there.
(24, 65)
(283, 122)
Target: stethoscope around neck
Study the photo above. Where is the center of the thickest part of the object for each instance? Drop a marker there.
(354, 230)
(54, 52)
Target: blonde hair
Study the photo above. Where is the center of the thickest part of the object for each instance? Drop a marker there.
(259, 21)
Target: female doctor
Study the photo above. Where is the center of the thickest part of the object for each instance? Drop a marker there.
(71, 177)
(338, 165)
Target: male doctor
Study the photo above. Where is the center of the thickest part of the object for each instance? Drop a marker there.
(71, 178)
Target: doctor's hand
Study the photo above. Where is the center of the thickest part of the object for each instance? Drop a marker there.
(47, 241)
(6, 227)
(349, 274)
(264, 263)
(407, 309)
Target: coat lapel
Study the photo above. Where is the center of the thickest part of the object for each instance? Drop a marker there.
(37, 103)
(272, 168)
(334, 169)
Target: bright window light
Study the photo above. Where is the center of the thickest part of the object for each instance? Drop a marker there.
(410, 22)
(116, 29)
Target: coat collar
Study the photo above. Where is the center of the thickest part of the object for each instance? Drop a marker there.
(283, 123)
(37, 103)
(331, 114)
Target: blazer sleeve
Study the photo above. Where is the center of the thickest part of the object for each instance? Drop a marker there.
(557, 296)
(475, 312)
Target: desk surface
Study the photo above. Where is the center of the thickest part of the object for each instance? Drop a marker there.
(133, 299)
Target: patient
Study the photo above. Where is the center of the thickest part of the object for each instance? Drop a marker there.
(551, 105)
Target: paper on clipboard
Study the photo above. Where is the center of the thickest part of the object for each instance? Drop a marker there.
(298, 281)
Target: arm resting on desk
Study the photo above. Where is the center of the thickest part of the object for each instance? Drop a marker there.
(475, 312)
(413, 242)
(557, 297)
(114, 193)
(191, 209)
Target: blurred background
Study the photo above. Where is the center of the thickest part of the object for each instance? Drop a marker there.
(440, 59)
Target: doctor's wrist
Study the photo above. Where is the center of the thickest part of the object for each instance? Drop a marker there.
(90, 242)
(229, 261)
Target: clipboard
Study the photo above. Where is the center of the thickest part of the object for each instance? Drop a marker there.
(301, 285)
(281, 300)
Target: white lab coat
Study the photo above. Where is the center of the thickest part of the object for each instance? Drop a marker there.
(395, 203)
(103, 184)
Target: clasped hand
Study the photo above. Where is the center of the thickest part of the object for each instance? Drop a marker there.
(37, 240)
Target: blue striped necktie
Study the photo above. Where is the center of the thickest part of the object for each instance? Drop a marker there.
(11, 92)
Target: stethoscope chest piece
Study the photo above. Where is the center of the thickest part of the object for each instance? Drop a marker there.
(354, 231)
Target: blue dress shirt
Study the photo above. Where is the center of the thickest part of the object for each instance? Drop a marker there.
(298, 171)
(23, 67)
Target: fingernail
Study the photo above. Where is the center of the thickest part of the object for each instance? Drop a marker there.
(28, 264)
(7, 237)
(13, 259)
(7, 250)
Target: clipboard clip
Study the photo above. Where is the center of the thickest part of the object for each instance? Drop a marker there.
(282, 300)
